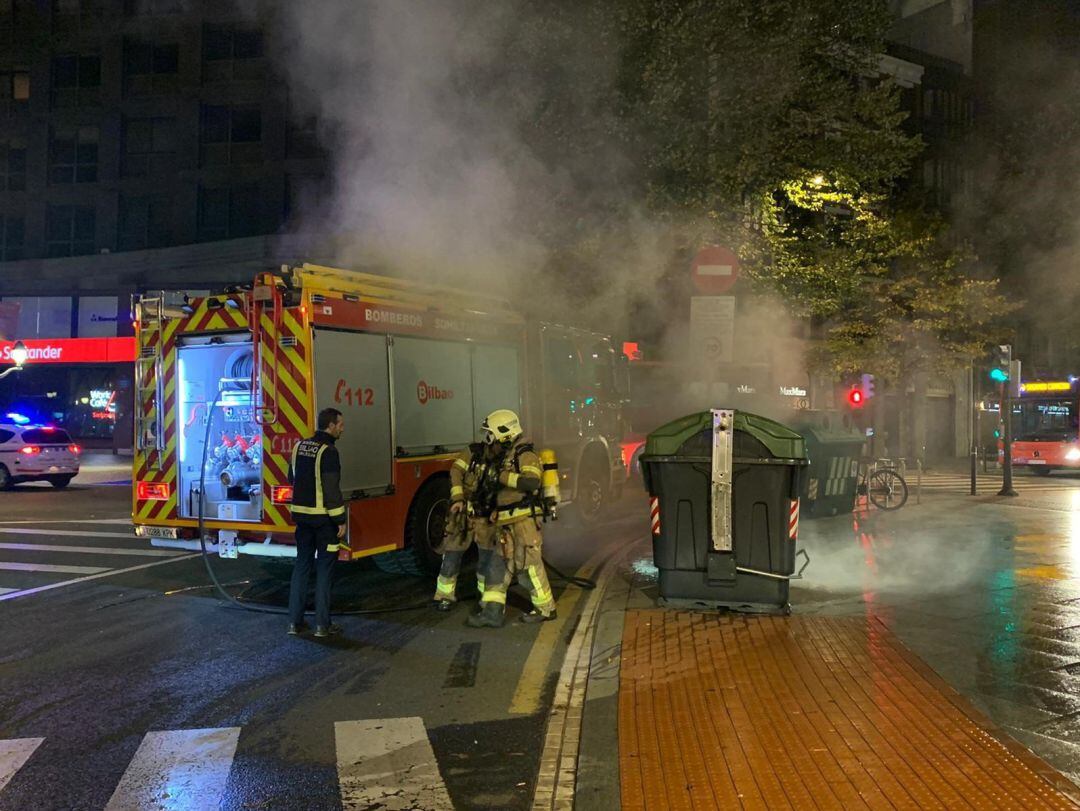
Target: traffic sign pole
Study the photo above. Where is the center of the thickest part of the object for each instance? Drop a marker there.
(1006, 411)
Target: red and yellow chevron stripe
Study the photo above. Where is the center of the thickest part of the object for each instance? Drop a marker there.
(160, 466)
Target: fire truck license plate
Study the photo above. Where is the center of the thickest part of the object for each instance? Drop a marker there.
(159, 532)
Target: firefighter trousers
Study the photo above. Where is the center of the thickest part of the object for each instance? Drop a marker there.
(311, 550)
(519, 554)
(461, 533)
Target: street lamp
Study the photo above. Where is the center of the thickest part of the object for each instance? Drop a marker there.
(18, 356)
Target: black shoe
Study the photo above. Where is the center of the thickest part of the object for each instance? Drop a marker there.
(296, 628)
(534, 617)
(322, 632)
(489, 616)
(444, 605)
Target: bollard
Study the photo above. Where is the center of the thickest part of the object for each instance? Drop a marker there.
(918, 480)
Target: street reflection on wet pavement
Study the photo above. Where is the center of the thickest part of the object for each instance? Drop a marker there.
(986, 592)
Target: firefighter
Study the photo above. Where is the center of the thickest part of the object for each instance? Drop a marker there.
(469, 520)
(517, 515)
(318, 509)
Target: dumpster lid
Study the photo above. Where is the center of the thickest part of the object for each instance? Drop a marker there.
(828, 427)
(780, 441)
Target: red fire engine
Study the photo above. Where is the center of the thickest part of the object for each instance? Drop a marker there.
(414, 368)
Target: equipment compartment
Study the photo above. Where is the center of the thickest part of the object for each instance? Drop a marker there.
(214, 382)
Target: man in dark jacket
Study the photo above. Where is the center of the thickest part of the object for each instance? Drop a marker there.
(318, 509)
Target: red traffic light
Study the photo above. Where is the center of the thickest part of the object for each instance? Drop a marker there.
(855, 397)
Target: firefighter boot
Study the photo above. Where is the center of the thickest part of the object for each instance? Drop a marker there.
(490, 616)
(534, 617)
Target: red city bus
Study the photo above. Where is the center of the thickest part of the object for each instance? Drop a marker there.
(1046, 426)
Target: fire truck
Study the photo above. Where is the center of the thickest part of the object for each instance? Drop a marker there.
(228, 383)
(1046, 426)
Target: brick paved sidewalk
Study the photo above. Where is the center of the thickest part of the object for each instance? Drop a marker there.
(727, 711)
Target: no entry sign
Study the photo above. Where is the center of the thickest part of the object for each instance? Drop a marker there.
(715, 270)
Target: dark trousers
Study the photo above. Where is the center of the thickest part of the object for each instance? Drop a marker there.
(311, 543)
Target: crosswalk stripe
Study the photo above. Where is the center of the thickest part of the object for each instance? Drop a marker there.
(388, 764)
(75, 533)
(93, 550)
(50, 567)
(178, 769)
(13, 754)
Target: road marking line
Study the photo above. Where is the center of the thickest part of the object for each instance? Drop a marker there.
(557, 779)
(388, 764)
(126, 521)
(27, 592)
(13, 754)
(185, 768)
(50, 567)
(72, 532)
(530, 687)
(7, 591)
(93, 550)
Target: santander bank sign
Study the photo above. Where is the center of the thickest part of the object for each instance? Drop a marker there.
(73, 350)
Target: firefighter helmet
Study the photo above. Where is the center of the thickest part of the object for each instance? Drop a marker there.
(501, 426)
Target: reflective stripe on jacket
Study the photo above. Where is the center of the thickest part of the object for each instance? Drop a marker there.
(315, 474)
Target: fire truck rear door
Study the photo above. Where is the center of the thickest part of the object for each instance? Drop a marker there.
(352, 374)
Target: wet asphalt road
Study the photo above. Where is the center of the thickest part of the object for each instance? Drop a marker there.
(93, 667)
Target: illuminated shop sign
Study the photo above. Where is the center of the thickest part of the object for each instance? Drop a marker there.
(792, 391)
(73, 350)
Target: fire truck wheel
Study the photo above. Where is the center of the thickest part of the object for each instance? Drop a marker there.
(592, 495)
(423, 533)
(5, 479)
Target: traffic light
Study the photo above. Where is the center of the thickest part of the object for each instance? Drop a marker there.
(855, 397)
(868, 386)
(1002, 359)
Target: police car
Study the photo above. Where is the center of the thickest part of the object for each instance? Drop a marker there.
(35, 453)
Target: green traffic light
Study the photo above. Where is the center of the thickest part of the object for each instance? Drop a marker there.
(999, 375)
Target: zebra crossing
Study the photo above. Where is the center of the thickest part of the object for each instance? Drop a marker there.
(386, 763)
(988, 483)
(41, 557)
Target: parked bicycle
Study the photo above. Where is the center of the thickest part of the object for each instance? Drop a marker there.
(882, 482)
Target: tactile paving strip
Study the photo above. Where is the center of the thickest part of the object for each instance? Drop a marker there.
(727, 711)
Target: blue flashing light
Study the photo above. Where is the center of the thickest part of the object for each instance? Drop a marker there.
(18, 419)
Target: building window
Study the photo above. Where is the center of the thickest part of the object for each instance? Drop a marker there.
(76, 81)
(146, 8)
(149, 146)
(69, 230)
(145, 222)
(12, 237)
(230, 135)
(70, 16)
(15, 85)
(73, 155)
(12, 167)
(150, 68)
(232, 52)
(226, 213)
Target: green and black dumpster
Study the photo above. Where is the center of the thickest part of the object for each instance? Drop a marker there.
(724, 497)
(833, 446)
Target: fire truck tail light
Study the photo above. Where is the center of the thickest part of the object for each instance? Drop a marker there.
(30, 450)
(153, 491)
(281, 494)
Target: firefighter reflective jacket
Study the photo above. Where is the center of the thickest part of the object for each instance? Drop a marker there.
(315, 474)
(519, 484)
